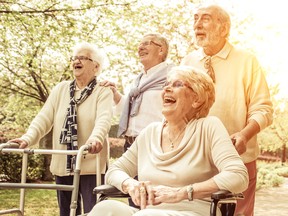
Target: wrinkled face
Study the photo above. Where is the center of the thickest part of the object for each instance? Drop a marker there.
(150, 52)
(178, 98)
(207, 28)
(83, 66)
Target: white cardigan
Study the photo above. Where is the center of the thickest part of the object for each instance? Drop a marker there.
(94, 120)
(205, 151)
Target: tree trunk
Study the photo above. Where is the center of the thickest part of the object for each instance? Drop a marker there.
(283, 153)
(46, 143)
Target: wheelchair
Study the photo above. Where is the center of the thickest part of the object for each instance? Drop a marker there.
(224, 200)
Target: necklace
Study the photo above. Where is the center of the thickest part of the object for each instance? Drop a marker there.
(173, 141)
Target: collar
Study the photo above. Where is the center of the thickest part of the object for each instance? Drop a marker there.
(157, 67)
(223, 53)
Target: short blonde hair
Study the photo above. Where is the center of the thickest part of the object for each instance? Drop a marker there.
(201, 84)
(97, 55)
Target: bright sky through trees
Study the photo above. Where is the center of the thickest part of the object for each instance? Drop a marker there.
(267, 35)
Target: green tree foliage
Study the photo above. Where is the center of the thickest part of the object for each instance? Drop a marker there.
(274, 139)
(36, 38)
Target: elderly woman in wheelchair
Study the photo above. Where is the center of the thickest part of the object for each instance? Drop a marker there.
(179, 161)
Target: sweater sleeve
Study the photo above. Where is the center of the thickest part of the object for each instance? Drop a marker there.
(124, 168)
(118, 108)
(103, 116)
(233, 175)
(43, 121)
(260, 106)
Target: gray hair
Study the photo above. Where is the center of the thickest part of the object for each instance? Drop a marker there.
(97, 55)
(222, 15)
(161, 40)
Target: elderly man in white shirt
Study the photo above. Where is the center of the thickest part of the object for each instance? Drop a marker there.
(142, 105)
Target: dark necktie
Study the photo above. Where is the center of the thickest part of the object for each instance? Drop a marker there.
(208, 66)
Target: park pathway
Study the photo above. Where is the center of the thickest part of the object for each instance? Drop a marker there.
(272, 201)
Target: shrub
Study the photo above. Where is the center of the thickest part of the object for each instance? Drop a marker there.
(116, 147)
(270, 174)
(11, 166)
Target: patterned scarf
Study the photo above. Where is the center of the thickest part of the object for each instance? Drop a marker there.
(68, 134)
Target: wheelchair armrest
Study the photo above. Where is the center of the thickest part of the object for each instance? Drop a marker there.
(223, 194)
(106, 191)
(109, 191)
(228, 201)
(112, 191)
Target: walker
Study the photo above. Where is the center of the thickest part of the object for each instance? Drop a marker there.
(13, 148)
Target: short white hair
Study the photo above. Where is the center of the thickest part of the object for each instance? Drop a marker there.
(98, 55)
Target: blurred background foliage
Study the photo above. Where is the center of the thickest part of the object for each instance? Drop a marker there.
(36, 38)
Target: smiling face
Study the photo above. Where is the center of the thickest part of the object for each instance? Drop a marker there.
(178, 99)
(211, 28)
(187, 94)
(150, 52)
(86, 68)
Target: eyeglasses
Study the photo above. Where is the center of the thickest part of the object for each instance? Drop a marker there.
(148, 43)
(80, 58)
(176, 84)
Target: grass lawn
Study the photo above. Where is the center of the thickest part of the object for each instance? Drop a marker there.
(37, 202)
